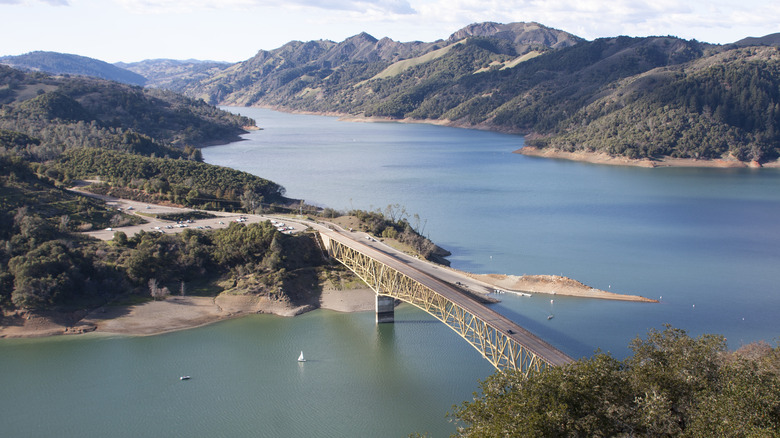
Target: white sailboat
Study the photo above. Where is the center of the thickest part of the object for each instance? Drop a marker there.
(551, 315)
(301, 358)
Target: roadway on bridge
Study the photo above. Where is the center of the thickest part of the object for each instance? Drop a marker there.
(501, 323)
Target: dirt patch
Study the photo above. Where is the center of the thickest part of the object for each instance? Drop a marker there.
(602, 158)
(24, 324)
(554, 285)
(348, 300)
(174, 313)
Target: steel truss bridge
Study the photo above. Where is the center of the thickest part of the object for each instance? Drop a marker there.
(506, 345)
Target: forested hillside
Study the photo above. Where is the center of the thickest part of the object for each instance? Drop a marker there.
(139, 142)
(62, 113)
(182, 182)
(46, 265)
(648, 97)
(725, 105)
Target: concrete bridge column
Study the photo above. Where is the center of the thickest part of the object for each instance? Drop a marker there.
(385, 309)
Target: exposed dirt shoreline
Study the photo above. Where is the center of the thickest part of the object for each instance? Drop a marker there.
(185, 312)
(554, 285)
(172, 314)
(602, 158)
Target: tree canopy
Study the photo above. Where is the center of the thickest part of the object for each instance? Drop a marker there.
(672, 386)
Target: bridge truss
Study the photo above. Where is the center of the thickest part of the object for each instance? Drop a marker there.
(497, 347)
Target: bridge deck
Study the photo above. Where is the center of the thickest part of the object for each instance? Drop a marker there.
(504, 325)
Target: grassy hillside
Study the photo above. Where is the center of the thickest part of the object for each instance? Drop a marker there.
(324, 76)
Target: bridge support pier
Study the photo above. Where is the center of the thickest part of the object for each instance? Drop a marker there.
(385, 309)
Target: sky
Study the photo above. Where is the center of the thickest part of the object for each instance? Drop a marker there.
(235, 30)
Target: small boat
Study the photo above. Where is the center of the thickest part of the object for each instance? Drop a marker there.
(184, 378)
(300, 358)
(551, 316)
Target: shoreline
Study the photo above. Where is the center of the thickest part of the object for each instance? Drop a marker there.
(173, 314)
(603, 158)
(532, 151)
(353, 118)
(552, 285)
(185, 312)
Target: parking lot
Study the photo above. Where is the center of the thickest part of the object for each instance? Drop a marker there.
(149, 211)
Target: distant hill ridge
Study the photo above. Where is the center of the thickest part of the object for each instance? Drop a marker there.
(310, 69)
(173, 74)
(64, 63)
(60, 113)
(767, 40)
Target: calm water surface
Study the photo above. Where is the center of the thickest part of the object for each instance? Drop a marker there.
(359, 380)
(704, 241)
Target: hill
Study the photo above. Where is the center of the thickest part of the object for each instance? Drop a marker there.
(67, 64)
(66, 112)
(607, 96)
(139, 143)
(318, 75)
(766, 40)
(722, 106)
(172, 74)
(673, 385)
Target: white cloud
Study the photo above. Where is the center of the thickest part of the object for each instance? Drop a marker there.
(28, 2)
(714, 19)
(363, 6)
(234, 30)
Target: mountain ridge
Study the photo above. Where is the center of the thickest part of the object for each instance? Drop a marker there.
(588, 96)
(271, 77)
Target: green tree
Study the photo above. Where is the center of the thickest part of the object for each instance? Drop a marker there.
(672, 386)
(44, 276)
(120, 238)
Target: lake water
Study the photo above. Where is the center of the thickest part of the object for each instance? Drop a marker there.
(704, 241)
